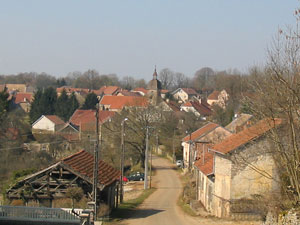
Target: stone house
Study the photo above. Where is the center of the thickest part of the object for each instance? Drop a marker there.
(184, 94)
(46, 187)
(117, 103)
(243, 169)
(199, 108)
(209, 133)
(23, 100)
(218, 98)
(240, 122)
(47, 123)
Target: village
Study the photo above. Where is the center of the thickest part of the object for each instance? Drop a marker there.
(230, 167)
(150, 112)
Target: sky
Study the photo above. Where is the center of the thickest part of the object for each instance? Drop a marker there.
(130, 37)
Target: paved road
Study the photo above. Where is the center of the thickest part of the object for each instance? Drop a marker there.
(161, 207)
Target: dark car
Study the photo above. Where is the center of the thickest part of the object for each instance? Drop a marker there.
(136, 176)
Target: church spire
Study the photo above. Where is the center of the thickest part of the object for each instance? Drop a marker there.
(155, 74)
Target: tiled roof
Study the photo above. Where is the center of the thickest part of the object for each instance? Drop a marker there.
(145, 91)
(173, 105)
(239, 121)
(214, 95)
(55, 119)
(202, 109)
(189, 91)
(110, 90)
(71, 89)
(201, 131)
(107, 90)
(199, 107)
(23, 97)
(164, 91)
(119, 102)
(236, 140)
(129, 93)
(206, 166)
(83, 162)
(86, 119)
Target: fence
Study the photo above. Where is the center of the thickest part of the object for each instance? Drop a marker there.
(24, 213)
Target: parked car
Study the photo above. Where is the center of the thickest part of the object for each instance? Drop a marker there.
(179, 163)
(136, 176)
(125, 179)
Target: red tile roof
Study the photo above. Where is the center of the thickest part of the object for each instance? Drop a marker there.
(83, 163)
(145, 91)
(23, 97)
(86, 119)
(201, 108)
(190, 91)
(119, 102)
(129, 93)
(201, 131)
(107, 90)
(71, 89)
(110, 90)
(173, 105)
(206, 166)
(55, 119)
(214, 95)
(236, 140)
(164, 91)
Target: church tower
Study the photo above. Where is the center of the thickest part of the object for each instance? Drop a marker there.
(154, 88)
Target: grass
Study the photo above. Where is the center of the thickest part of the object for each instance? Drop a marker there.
(185, 207)
(126, 209)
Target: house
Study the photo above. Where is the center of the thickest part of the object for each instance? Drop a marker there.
(47, 123)
(238, 168)
(23, 100)
(184, 94)
(140, 90)
(117, 103)
(199, 108)
(210, 133)
(218, 98)
(240, 122)
(163, 93)
(85, 120)
(108, 90)
(70, 132)
(16, 88)
(169, 106)
(128, 93)
(48, 186)
(69, 90)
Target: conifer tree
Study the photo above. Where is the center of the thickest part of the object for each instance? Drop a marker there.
(62, 106)
(90, 101)
(72, 105)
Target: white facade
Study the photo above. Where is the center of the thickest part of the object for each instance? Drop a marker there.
(45, 124)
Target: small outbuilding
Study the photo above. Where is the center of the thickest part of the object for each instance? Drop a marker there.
(49, 185)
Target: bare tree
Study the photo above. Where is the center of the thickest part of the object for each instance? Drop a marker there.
(277, 95)
(166, 77)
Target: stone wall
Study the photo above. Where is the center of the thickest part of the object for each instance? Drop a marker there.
(292, 217)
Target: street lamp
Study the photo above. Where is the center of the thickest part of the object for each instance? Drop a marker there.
(122, 159)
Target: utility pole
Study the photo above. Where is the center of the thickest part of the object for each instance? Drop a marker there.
(174, 158)
(96, 160)
(190, 152)
(122, 160)
(146, 160)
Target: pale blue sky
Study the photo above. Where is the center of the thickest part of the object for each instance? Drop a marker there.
(129, 37)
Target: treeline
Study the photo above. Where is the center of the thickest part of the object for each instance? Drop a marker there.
(204, 80)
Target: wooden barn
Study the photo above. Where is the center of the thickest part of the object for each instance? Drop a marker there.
(51, 184)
